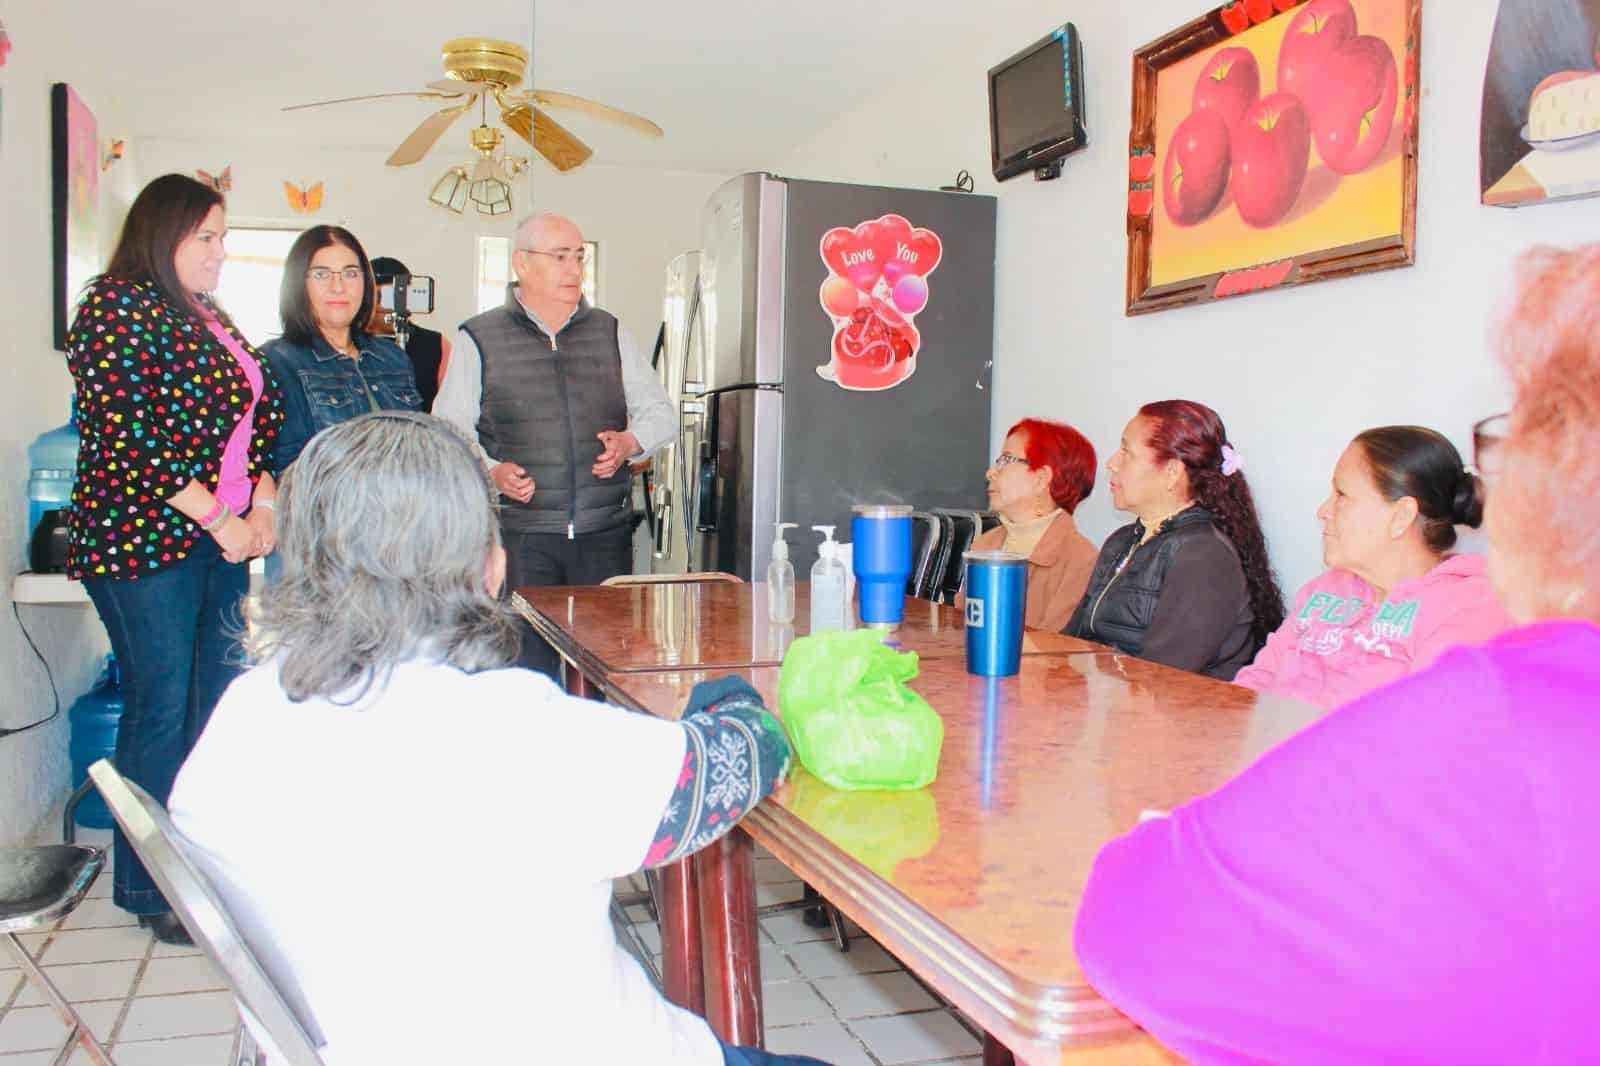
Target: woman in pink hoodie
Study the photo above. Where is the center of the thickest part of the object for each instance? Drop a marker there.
(1393, 596)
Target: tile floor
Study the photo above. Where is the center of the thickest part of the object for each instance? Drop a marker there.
(155, 1005)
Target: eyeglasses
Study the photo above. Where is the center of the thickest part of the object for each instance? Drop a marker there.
(1488, 436)
(322, 275)
(562, 256)
(1005, 459)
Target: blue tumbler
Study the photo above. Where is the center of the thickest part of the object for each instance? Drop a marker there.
(880, 537)
(997, 597)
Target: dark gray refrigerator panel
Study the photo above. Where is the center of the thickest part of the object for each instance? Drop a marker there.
(923, 441)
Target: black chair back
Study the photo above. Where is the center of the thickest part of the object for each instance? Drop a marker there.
(924, 544)
(964, 528)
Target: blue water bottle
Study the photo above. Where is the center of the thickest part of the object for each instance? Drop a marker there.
(95, 718)
(997, 598)
(881, 558)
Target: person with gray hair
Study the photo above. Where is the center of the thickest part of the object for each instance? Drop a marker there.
(558, 398)
(357, 772)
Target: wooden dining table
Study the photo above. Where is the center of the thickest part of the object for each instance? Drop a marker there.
(973, 882)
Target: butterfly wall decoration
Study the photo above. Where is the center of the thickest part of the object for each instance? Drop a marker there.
(112, 153)
(222, 182)
(303, 200)
(5, 44)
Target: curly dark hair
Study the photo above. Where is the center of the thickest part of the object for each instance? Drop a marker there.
(1193, 434)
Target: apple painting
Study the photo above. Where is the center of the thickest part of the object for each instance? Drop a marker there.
(1314, 34)
(1196, 170)
(1356, 96)
(1270, 155)
(1229, 85)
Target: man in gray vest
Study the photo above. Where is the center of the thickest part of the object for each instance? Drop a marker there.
(559, 397)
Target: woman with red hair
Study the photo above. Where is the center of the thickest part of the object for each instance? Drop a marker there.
(1412, 879)
(1188, 583)
(1043, 471)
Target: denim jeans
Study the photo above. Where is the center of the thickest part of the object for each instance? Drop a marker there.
(174, 635)
(754, 1056)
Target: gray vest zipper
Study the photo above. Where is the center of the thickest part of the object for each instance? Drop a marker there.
(572, 445)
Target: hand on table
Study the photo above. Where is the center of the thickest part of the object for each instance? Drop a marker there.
(512, 481)
(617, 448)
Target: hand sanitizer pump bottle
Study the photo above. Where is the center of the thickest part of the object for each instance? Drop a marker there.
(780, 579)
(827, 585)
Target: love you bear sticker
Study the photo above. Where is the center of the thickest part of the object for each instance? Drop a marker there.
(877, 284)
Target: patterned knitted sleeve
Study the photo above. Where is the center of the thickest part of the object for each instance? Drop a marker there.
(117, 353)
(736, 755)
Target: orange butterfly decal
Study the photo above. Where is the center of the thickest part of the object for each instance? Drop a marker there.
(221, 182)
(304, 200)
(111, 155)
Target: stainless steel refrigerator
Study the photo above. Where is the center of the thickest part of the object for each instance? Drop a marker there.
(828, 345)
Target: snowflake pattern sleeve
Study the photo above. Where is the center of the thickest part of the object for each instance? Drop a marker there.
(736, 754)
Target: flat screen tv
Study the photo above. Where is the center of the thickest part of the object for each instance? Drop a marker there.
(1036, 106)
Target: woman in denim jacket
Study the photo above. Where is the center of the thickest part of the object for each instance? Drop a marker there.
(330, 368)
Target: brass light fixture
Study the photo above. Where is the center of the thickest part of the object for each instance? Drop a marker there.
(450, 191)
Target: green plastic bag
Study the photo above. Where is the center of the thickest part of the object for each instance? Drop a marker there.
(853, 720)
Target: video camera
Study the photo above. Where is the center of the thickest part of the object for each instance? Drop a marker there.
(406, 295)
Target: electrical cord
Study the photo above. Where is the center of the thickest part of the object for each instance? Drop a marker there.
(55, 694)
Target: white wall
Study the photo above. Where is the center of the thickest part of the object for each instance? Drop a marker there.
(1295, 373)
(33, 765)
(642, 218)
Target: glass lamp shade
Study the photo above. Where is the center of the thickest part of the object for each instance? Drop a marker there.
(450, 191)
(491, 196)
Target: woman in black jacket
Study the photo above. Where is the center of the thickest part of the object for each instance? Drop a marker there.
(1188, 583)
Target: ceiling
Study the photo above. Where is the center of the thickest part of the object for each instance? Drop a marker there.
(733, 86)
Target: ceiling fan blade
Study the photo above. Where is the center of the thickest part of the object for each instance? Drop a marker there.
(414, 147)
(548, 137)
(376, 96)
(637, 123)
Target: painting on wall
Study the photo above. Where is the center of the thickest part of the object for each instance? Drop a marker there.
(75, 195)
(1540, 137)
(1274, 143)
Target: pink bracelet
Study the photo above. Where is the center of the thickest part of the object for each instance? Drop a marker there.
(205, 520)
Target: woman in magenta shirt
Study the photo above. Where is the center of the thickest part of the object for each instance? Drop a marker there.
(1412, 879)
(176, 417)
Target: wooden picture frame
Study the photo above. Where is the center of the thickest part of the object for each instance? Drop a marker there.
(1191, 241)
(75, 203)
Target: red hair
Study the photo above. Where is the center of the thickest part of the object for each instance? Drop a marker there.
(1193, 434)
(1549, 341)
(1067, 453)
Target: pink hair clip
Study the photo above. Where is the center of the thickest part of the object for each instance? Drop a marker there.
(1232, 461)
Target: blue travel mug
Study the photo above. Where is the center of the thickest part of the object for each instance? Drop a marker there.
(880, 537)
(997, 597)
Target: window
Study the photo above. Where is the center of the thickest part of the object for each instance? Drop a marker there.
(251, 277)
(494, 271)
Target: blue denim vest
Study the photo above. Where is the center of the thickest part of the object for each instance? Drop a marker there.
(321, 388)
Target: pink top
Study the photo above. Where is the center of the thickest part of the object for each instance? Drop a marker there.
(1339, 642)
(1410, 880)
(233, 486)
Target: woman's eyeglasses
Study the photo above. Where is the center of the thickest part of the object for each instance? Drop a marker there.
(1005, 459)
(323, 275)
(1488, 437)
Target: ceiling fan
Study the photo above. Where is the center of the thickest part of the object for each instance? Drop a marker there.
(477, 69)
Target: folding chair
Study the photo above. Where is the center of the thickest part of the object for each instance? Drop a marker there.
(37, 886)
(268, 1015)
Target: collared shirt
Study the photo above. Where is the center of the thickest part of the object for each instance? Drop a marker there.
(651, 418)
